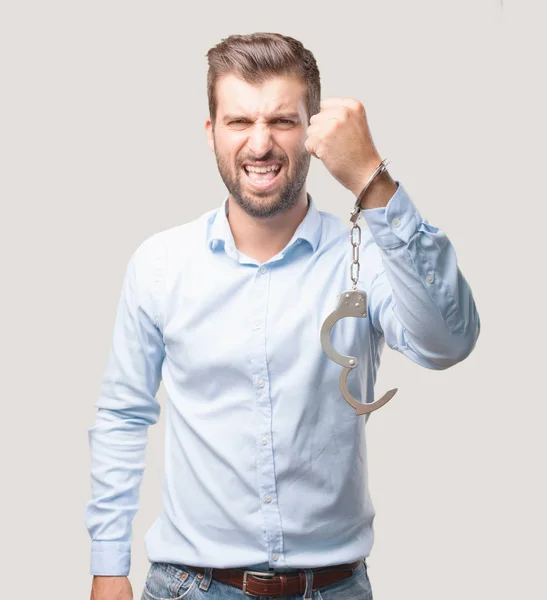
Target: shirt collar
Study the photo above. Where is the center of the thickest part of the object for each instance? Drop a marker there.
(219, 232)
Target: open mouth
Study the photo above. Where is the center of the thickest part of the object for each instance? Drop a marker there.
(262, 178)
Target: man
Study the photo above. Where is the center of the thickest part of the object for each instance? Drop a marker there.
(265, 464)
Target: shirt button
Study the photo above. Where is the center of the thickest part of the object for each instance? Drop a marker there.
(260, 383)
(257, 325)
(275, 556)
(430, 278)
(267, 499)
(396, 222)
(264, 441)
(263, 269)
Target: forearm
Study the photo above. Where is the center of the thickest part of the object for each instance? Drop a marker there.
(118, 445)
(433, 305)
(421, 301)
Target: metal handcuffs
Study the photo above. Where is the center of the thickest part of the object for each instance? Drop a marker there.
(352, 303)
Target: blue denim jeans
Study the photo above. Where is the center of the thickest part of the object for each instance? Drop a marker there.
(167, 581)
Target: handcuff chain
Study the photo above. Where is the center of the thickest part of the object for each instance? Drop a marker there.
(354, 217)
(355, 243)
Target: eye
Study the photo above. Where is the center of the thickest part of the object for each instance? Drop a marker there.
(285, 121)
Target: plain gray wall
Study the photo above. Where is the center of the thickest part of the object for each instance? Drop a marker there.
(102, 143)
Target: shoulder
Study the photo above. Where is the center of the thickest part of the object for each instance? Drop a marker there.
(177, 239)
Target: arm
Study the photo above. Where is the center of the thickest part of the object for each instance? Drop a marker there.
(126, 405)
(419, 300)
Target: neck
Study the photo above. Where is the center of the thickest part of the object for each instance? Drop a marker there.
(262, 238)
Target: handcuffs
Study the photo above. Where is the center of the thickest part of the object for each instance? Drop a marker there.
(352, 303)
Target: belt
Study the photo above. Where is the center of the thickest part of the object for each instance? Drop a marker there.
(277, 585)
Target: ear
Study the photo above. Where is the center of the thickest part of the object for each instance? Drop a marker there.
(210, 137)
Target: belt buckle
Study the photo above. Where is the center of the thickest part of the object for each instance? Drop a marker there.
(257, 574)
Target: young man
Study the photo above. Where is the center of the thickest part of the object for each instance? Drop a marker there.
(265, 463)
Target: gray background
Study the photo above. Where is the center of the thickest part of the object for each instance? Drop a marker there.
(102, 143)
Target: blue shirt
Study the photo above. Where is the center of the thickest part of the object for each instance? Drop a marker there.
(265, 462)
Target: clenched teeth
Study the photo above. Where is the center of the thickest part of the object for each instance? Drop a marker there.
(251, 169)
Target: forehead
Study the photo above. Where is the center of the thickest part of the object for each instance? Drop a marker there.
(280, 93)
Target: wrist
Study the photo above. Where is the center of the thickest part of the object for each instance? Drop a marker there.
(379, 192)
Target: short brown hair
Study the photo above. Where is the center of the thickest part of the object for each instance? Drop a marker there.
(256, 57)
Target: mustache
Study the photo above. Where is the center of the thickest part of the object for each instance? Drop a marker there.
(268, 158)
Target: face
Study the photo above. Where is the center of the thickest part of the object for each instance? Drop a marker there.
(261, 127)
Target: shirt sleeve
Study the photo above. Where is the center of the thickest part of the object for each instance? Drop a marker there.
(126, 406)
(419, 300)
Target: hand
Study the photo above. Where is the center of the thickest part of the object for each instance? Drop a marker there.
(340, 137)
(111, 588)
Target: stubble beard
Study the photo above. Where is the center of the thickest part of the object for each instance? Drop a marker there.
(265, 204)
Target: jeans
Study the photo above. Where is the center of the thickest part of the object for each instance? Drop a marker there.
(167, 581)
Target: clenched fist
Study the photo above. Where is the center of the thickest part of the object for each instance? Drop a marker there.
(340, 137)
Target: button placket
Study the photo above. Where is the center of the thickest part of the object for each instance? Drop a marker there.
(258, 364)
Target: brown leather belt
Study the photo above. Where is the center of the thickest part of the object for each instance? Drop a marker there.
(263, 583)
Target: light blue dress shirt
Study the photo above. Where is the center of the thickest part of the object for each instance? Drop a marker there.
(265, 462)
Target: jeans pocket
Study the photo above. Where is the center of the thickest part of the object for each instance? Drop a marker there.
(356, 587)
(166, 581)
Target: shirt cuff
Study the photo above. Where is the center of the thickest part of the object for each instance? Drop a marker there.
(110, 558)
(396, 223)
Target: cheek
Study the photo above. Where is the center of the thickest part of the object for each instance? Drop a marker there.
(229, 148)
(296, 149)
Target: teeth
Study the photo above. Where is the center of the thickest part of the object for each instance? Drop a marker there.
(262, 169)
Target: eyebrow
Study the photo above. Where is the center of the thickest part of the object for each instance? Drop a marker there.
(277, 115)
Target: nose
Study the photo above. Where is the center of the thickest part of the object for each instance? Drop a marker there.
(260, 140)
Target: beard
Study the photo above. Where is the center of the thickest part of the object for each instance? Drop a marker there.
(269, 203)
